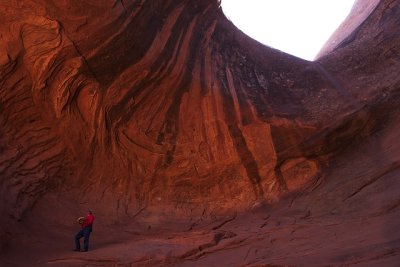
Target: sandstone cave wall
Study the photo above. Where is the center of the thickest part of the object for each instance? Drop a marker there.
(166, 104)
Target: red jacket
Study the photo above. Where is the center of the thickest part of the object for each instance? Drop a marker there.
(89, 221)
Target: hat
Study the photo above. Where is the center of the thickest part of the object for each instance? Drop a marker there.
(81, 220)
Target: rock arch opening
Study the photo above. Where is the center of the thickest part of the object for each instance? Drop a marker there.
(299, 28)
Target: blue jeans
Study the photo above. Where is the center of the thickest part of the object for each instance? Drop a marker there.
(85, 232)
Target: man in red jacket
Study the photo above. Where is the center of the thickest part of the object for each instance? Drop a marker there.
(87, 228)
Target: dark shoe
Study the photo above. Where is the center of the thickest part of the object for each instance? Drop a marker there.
(78, 250)
(84, 250)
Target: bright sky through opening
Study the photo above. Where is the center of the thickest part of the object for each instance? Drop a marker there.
(297, 27)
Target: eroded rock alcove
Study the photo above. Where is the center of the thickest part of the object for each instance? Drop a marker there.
(202, 145)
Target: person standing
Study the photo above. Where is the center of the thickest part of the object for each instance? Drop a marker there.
(87, 227)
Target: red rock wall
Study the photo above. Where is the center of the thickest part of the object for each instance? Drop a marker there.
(135, 104)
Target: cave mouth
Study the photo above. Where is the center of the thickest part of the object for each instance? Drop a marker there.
(299, 28)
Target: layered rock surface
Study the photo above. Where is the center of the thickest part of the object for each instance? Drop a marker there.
(153, 112)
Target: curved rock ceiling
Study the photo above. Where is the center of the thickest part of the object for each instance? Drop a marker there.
(163, 108)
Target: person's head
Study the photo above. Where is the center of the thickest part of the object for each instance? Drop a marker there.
(90, 212)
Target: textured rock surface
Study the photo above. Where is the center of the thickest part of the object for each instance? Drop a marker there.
(159, 112)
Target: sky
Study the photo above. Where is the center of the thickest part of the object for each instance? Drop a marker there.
(297, 27)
